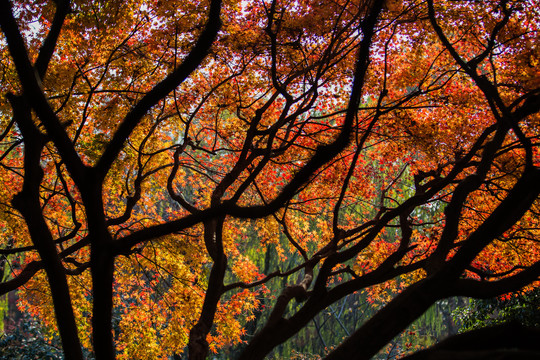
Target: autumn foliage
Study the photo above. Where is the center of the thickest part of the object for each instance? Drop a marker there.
(164, 164)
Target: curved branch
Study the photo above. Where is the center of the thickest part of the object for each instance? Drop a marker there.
(24, 276)
(325, 153)
(167, 85)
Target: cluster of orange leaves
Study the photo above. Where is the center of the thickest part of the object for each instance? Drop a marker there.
(160, 289)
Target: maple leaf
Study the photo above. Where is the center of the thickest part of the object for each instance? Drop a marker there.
(176, 174)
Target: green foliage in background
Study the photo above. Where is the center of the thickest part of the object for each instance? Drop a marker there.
(523, 308)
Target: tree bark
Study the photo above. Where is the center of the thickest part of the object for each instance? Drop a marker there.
(198, 346)
(27, 202)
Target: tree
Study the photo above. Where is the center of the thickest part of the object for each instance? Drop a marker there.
(149, 147)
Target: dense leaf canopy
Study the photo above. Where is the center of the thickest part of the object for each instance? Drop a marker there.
(170, 169)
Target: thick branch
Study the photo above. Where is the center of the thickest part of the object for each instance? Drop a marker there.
(27, 202)
(47, 48)
(31, 85)
(167, 85)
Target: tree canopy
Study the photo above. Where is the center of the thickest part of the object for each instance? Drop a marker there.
(171, 169)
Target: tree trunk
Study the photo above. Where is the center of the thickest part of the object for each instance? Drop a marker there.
(27, 202)
(102, 281)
